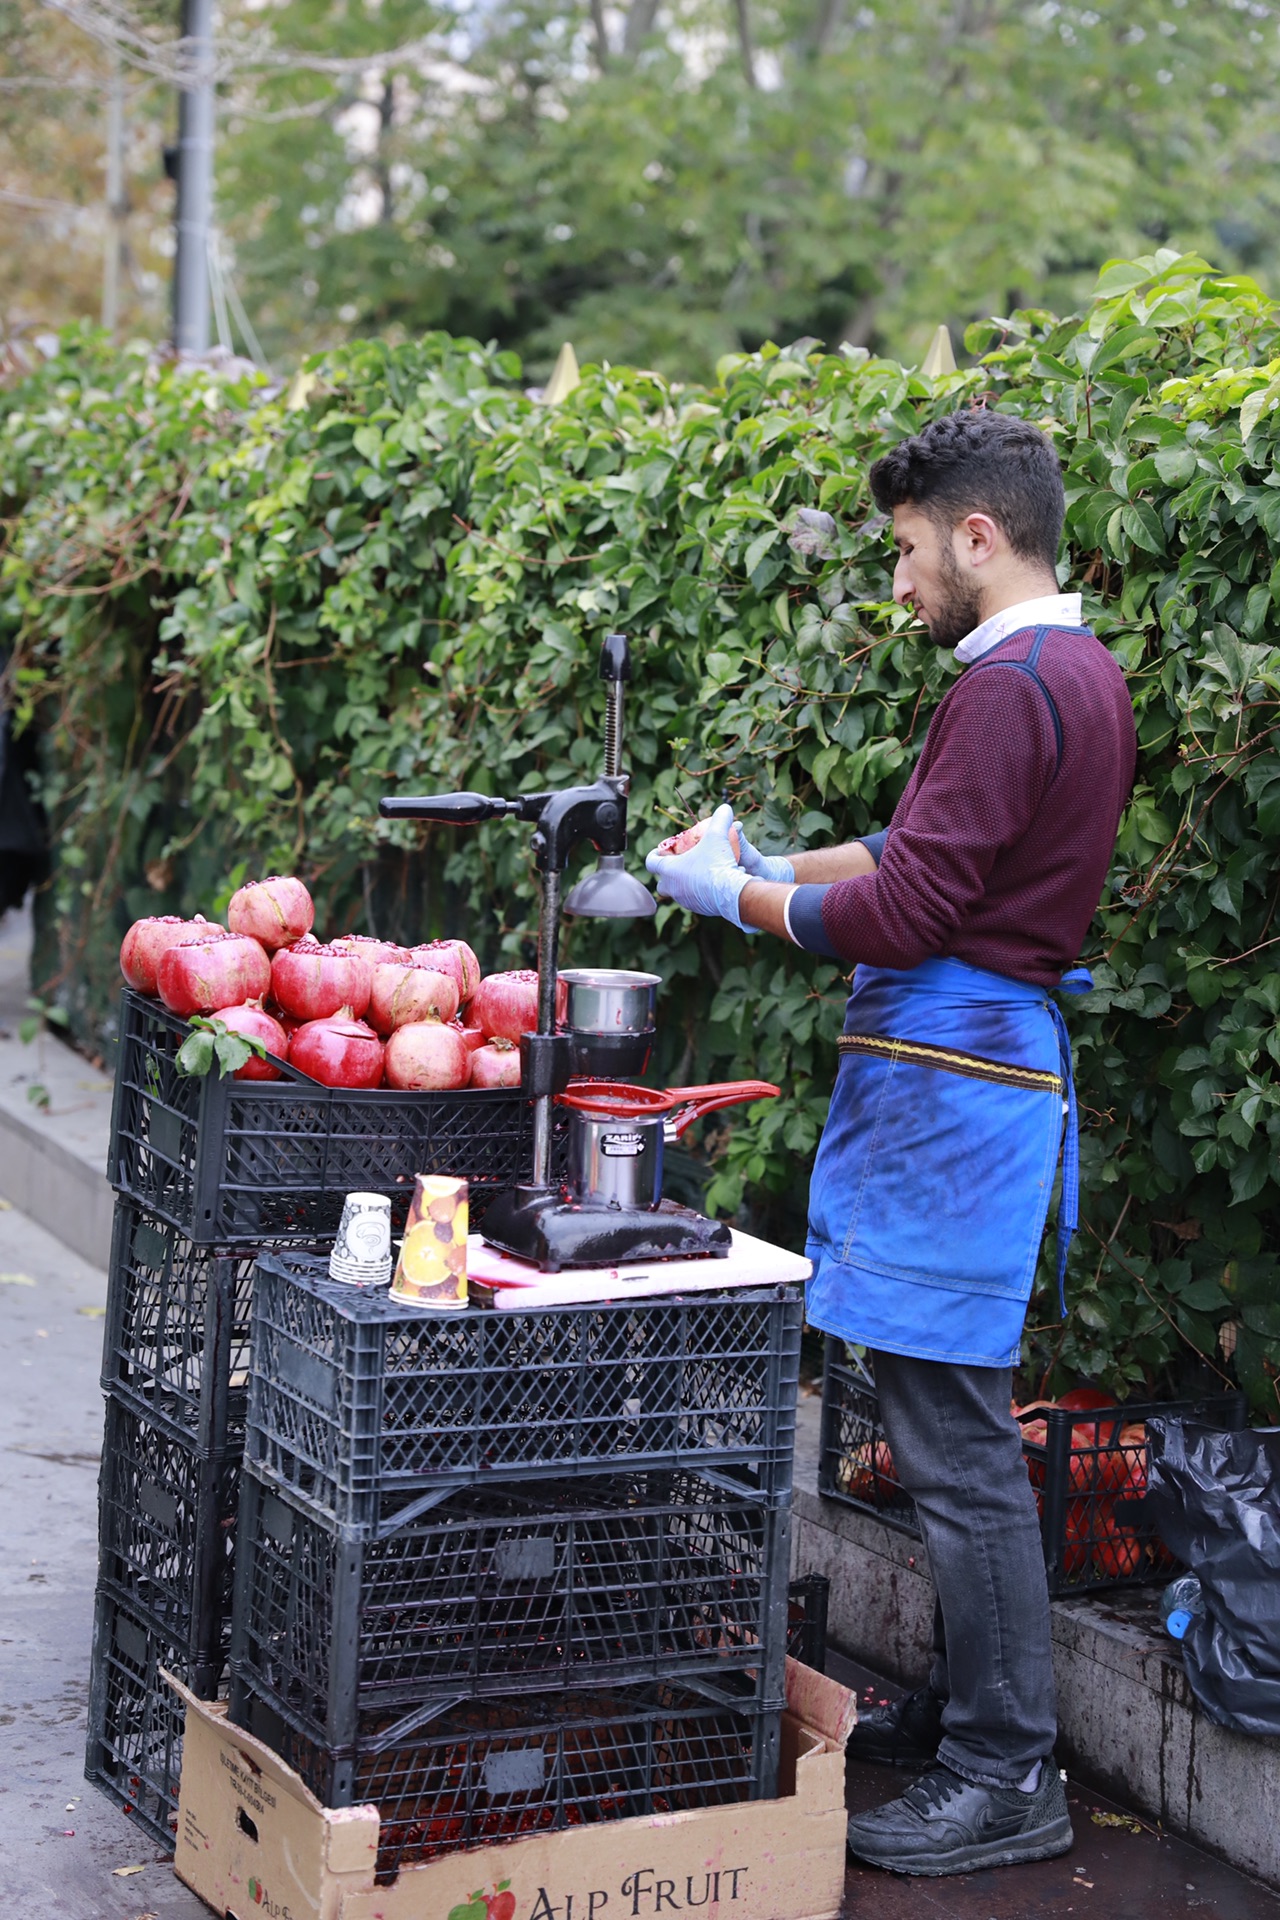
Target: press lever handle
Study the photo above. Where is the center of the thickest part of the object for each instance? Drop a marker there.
(458, 809)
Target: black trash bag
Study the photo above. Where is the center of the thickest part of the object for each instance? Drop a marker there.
(1216, 1501)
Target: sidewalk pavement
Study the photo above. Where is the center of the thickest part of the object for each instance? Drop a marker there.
(63, 1844)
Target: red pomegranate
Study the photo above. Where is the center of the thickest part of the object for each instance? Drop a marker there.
(407, 990)
(455, 958)
(256, 1023)
(311, 982)
(496, 1064)
(276, 911)
(338, 1051)
(374, 951)
(427, 1055)
(208, 975)
(472, 1037)
(147, 942)
(505, 1005)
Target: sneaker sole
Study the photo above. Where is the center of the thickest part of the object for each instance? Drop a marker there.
(1045, 1843)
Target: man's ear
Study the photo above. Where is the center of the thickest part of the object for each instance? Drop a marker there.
(976, 539)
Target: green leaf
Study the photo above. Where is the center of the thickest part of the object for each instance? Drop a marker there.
(195, 1055)
(1142, 524)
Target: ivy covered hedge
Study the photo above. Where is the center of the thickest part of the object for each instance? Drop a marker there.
(239, 617)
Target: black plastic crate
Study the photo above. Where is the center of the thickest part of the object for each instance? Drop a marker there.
(356, 1400)
(176, 1335)
(166, 1535)
(236, 1162)
(134, 1748)
(1089, 1471)
(808, 1600)
(854, 1462)
(481, 1771)
(1090, 1481)
(506, 1589)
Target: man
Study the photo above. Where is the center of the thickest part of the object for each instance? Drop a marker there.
(933, 1178)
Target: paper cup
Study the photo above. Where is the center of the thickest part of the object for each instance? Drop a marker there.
(432, 1268)
(362, 1248)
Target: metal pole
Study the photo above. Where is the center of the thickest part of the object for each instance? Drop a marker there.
(548, 947)
(115, 197)
(195, 181)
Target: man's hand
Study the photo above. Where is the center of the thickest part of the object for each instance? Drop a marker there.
(707, 879)
(764, 866)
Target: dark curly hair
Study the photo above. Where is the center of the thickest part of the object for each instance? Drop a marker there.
(977, 462)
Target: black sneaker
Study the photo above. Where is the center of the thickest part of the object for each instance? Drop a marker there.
(943, 1824)
(906, 1733)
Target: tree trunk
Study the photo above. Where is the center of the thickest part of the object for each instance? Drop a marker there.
(640, 18)
(381, 165)
(602, 35)
(743, 19)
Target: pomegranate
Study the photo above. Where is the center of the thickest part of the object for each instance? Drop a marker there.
(686, 841)
(425, 1055)
(406, 990)
(496, 1064)
(338, 1051)
(455, 958)
(472, 1037)
(374, 951)
(210, 974)
(256, 1023)
(276, 911)
(505, 1005)
(147, 942)
(311, 982)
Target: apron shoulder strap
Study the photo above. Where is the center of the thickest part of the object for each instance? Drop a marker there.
(1030, 667)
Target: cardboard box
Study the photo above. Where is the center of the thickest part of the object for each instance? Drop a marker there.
(253, 1841)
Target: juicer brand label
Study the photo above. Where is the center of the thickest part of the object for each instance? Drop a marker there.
(622, 1146)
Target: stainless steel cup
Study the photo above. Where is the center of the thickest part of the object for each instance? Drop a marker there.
(610, 1000)
(616, 1162)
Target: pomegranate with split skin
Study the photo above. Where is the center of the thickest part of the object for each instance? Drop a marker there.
(276, 911)
(207, 975)
(311, 982)
(374, 951)
(338, 1051)
(407, 990)
(505, 1005)
(496, 1064)
(147, 942)
(427, 1056)
(455, 958)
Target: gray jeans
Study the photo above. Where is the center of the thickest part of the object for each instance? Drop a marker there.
(959, 1456)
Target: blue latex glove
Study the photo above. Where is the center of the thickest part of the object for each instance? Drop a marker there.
(764, 866)
(707, 879)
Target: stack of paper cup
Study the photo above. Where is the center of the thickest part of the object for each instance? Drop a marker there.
(362, 1251)
(432, 1269)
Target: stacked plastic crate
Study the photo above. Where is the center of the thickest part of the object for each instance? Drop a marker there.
(207, 1173)
(511, 1570)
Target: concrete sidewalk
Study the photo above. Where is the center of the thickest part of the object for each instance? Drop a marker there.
(63, 1844)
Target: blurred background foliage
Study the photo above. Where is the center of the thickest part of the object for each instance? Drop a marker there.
(237, 613)
(661, 182)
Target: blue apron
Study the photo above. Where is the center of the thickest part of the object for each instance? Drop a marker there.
(932, 1182)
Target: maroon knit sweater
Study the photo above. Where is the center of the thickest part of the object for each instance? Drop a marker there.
(999, 848)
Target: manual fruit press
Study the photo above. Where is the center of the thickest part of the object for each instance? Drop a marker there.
(611, 1208)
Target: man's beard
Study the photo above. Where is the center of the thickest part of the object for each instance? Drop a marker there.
(960, 608)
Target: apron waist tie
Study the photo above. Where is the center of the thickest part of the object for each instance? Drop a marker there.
(1078, 980)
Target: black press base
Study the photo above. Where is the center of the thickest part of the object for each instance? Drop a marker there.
(542, 1226)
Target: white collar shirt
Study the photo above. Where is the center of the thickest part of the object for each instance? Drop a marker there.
(1051, 610)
